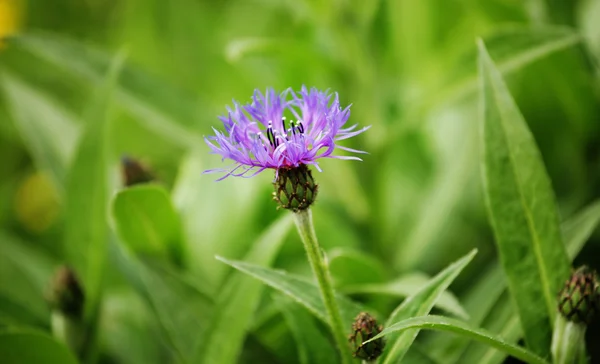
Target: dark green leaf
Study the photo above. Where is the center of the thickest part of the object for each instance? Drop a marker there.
(522, 209)
(576, 231)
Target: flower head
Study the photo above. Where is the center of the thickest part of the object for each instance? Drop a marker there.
(579, 300)
(283, 130)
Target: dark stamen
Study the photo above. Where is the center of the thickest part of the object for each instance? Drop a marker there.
(283, 123)
(292, 127)
(270, 135)
(300, 127)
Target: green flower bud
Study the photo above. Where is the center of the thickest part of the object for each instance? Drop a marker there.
(579, 300)
(364, 328)
(65, 294)
(295, 188)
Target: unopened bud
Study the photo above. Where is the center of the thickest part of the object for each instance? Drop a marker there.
(364, 328)
(134, 172)
(579, 300)
(65, 294)
(295, 188)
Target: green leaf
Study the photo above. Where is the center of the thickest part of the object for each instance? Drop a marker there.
(488, 291)
(195, 196)
(86, 232)
(238, 300)
(462, 328)
(129, 331)
(352, 266)
(576, 231)
(522, 209)
(49, 131)
(420, 304)
(300, 289)
(33, 348)
(179, 307)
(165, 110)
(406, 286)
(24, 277)
(147, 221)
(312, 345)
(513, 48)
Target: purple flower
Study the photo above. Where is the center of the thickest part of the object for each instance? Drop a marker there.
(282, 131)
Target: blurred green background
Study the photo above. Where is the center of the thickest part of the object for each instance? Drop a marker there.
(407, 67)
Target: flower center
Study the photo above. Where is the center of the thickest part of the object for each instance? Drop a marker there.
(275, 137)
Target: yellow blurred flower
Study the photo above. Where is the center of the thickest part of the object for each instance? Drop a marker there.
(37, 204)
(10, 16)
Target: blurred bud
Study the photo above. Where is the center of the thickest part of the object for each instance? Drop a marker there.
(295, 188)
(134, 172)
(364, 328)
(66, 294)
(579, 300)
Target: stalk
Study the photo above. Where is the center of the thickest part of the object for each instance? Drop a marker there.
(318, 263)
(567, 341)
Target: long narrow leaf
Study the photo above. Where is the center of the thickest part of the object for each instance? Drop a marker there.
(87, 199)
(407, 286)
(300, 289)
(420, 304)
(313, 346)
(462, 328)
(488, 291)
(238, 299)
(522, 209)
(49, 131)
(576, 231)
(166, 110)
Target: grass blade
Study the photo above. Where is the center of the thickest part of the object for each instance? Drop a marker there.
(407, 286)
(576, 231)
(238, 299)
(300, 289)
(24, 276)
(49, 132)
(179, 307)
(163, 109)
(86, 231)
(313, 346)
(522, 209)
(420, 304)
(462, 328)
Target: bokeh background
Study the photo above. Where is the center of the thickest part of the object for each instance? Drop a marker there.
(407, 67)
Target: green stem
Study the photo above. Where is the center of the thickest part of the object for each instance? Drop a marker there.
(566, 341)
(69, 330)
(304, 223)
